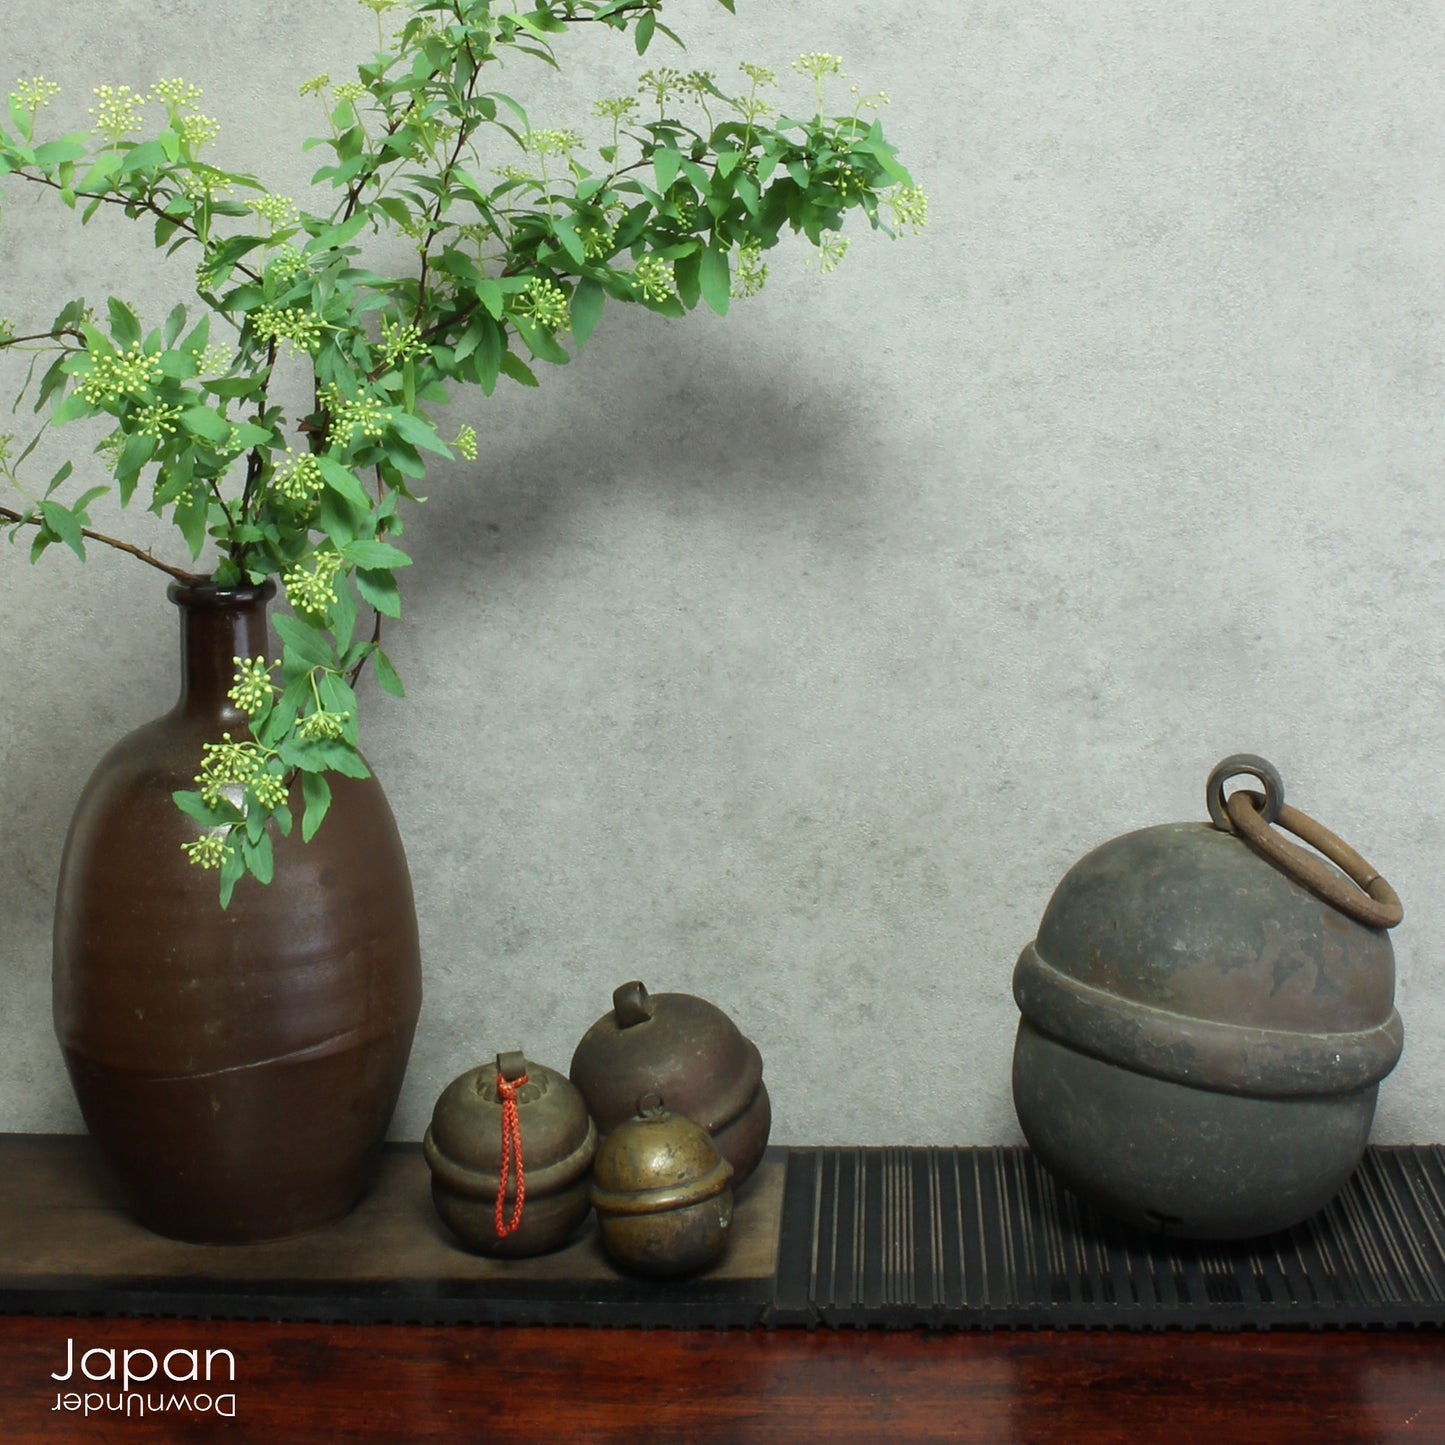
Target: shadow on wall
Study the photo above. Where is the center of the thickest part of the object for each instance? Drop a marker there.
(632, 430)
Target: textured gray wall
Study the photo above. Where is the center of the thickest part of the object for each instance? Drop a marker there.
(791, 658)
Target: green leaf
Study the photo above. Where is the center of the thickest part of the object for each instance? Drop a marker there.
(541, 23)
(379, 589)
(232, 385)
(371, 554)
(309, 646)
(518, 370)
(715, 278)
(470, 339)
(246, 436)
(511, 105)
(342, 481)
(566, 231)
(50, 383)
(65, 470)
(316, 792)
(53, 152)
(178, 365)
(386, 675)
(137, 451)
(587, 302)
(106, 165)
(336, 236)
(139, 157)
(260, 858)
(665, 161)
(172, 480)
(419, 434)
(65, 526)
(339, 519)
(123, 324)
(337, 697)
(196, 341)
(323, 755)
(684, 277)
(190, 514)
(885, 154)
(233, 869)
(540, 342)
(490, 351)
(395, 209)
(202, 422)
(73, 407)
(642, 37)
(404, 458)
(284, 710)
(490, 293)
(341, 615)
(194, 806)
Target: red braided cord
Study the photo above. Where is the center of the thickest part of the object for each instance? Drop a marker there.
(511, 1153)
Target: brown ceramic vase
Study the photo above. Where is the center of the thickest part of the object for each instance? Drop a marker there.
(237, 1068)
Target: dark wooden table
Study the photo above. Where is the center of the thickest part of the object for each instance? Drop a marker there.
(302, 1382)
(288, 1380)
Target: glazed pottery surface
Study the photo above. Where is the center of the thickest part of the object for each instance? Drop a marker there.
(238, 1068)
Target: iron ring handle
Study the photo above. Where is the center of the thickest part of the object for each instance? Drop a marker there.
(1256, 767)
(1370, 901)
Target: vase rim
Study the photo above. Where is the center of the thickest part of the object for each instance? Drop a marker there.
(204, 592)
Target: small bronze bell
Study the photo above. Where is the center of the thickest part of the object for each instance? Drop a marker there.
(690, 1053)
(510, 1180)
(662, 1193)
(1207, 1013)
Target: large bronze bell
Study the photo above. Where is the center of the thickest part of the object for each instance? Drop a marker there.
(690, 1053)
(662, 1192)
(478, 1167)
(1207, 1012)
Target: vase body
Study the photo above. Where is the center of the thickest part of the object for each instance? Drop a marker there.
(238, 1068)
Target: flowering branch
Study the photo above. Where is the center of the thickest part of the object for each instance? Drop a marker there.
(512, 267)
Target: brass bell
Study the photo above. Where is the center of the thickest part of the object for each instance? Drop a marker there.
(662, 1193)
(1206, 1015)
(690, 1053)
(479, 1164)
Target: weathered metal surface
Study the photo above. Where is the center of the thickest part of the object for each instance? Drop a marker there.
(1252, 815)
(1202, 1033)
(663, 1193)
(690, 1053)
(463, 1148)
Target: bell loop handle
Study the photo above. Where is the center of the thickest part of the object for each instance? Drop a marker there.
(631, 1004)
(1362, 894)
(1254, 766)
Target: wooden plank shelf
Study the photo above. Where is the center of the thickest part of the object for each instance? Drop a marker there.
(906, 1237)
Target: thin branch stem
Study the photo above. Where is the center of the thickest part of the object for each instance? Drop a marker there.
(254, 462)
(145, 202)
(375, 642)
(178, 573)
(45, 336)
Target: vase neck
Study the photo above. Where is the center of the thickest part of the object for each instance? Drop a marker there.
(218, 625)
